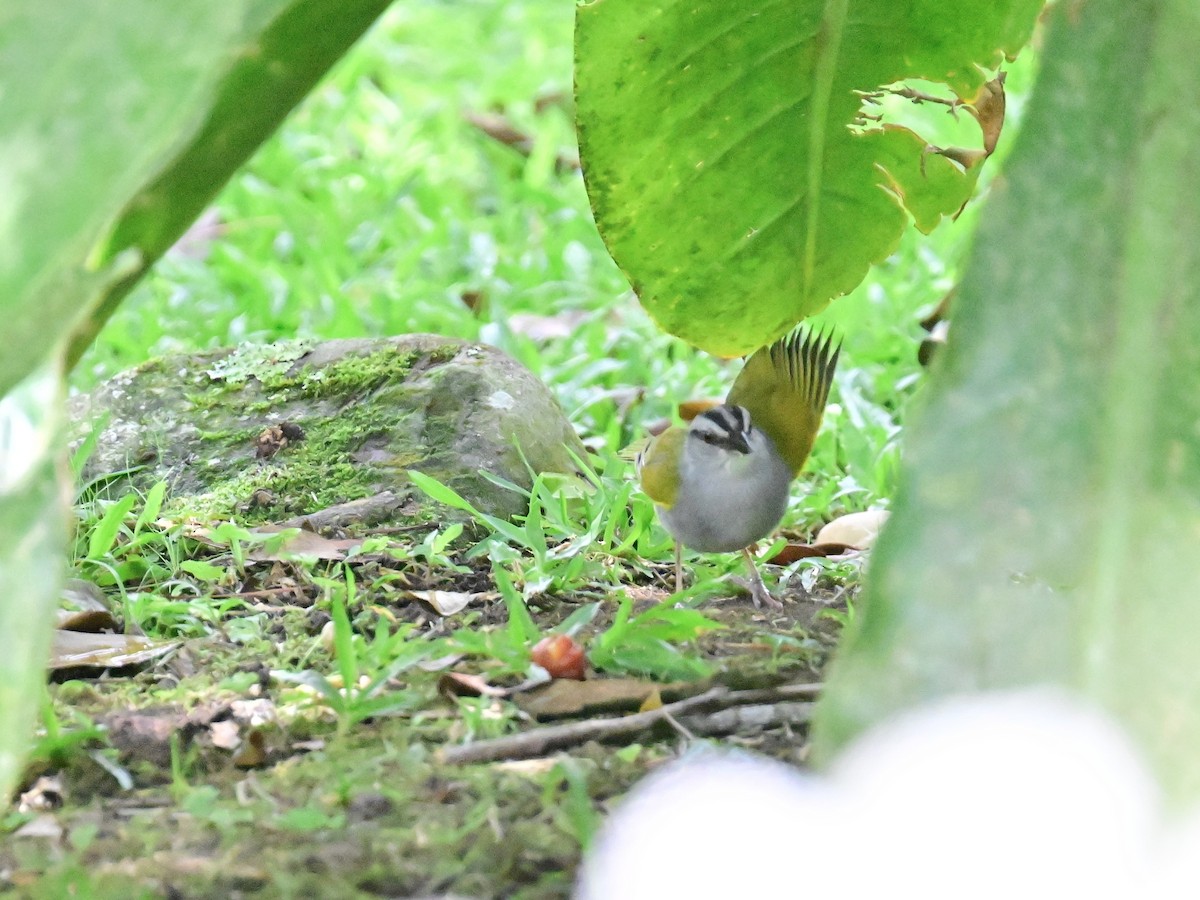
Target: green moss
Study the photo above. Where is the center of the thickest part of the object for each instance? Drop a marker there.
(357, 374)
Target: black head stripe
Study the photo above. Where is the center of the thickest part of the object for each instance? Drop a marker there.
(724, 426)
(730, 419)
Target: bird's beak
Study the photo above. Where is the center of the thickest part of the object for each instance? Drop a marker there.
(739, 443)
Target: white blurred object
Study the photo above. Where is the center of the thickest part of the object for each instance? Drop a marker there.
(858, 530)
(1017, 795)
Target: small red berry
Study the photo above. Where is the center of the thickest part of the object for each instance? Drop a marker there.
(559, 655)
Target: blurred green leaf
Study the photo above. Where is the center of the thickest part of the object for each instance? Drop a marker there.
(128, 118)
(645, 644)
(33, 539)
(720, 161)
(1047, 526)
(121, 121)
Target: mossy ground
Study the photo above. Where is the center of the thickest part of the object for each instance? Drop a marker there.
(337, 809)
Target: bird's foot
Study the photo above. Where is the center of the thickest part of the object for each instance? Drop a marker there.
(762, 597)
(758, 591)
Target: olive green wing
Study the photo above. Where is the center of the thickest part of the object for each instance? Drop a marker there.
(784, 387)
(658, 466)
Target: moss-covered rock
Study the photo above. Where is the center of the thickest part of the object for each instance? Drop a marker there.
(368, 410)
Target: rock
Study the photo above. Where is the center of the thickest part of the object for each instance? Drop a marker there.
(267, 432)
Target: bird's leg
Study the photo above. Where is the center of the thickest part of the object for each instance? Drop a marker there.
(758, 591)
(678, 568)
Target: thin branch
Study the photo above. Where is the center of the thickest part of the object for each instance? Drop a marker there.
(540, 741)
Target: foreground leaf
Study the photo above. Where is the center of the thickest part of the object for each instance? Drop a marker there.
(1047, 525)
(110, 152)
(33, 538)
(720, 162)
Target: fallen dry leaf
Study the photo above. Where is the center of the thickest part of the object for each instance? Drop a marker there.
(447, 603)
(306, 543)
(86, 620)
(74, 649)
(794, 552)
(858, 530)
(563, 697)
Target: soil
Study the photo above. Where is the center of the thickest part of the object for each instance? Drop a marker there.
(213, 777)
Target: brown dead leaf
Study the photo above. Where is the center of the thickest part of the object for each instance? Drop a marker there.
(794, 552)
(689, 409)
(645, 593)
(86, 620)
(474, 300)
(988, 109)
(563, 697)
(75, 649)
(307, 544)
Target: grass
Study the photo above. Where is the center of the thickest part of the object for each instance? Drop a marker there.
(378, 209)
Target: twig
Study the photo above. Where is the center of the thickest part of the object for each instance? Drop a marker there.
(766, 706)
(540, 741)
(748, 718)
(679, 727)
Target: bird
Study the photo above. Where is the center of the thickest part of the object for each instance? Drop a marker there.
(720, 484)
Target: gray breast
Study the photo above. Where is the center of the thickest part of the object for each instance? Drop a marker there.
(729, 501)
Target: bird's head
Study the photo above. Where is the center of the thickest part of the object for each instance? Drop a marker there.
(721, 429)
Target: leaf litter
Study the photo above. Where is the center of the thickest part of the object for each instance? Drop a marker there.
(242, 767)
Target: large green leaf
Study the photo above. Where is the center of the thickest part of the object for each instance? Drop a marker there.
(719, 159)
(33, 535)
(121, 119)
(1049, 519)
